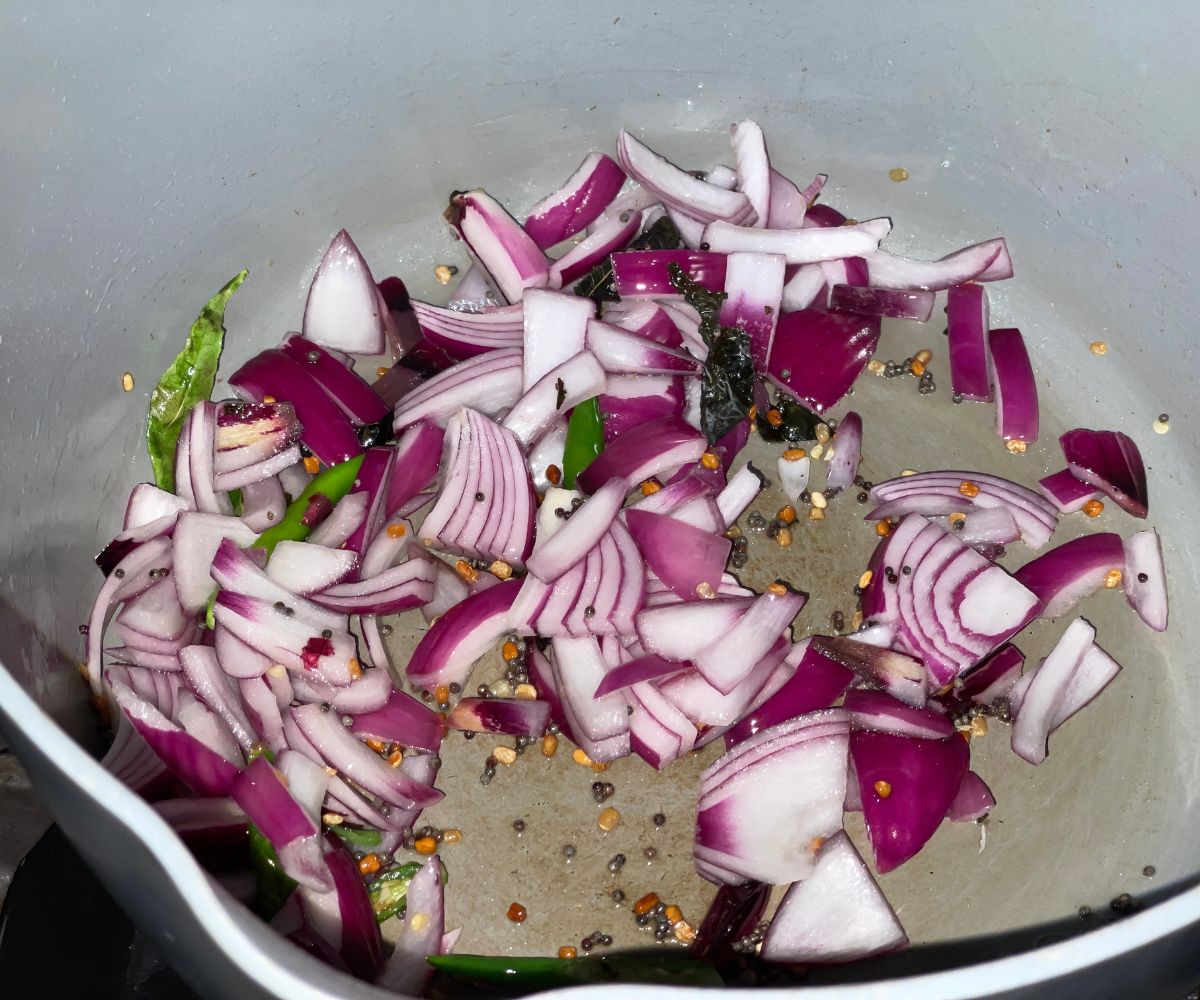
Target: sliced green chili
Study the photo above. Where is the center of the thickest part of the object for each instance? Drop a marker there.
(585, 440)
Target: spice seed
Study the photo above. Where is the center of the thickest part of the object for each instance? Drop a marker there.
(898, 174)
(505, 755)
(127, 381)
(609, 819)
(1098, 348)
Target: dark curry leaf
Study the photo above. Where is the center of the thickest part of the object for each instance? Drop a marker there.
(705, 302)
(727, 383)
(188, 381)
(797, 423)
(597, 284)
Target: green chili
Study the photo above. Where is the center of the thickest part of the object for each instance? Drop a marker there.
(272, 885)
(333, 484)
(585, 440)
(389, 890)
(653, 966)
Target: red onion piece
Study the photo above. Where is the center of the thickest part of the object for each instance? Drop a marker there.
(250, 433)
(237, 571)
(353, 395)
(578, 378)
(448, 651)
(787, 204)
(262, 793)
(1111, 462)
(973, 801)
(147, 503)
(648, 667)
(731, 658)
(406, 972)
(1145, 579)
(472, 293)
(847, 450)
(906, 785)
(837, 914)
(1072, 675)
(901, 676)
(485, 510)
(343, 310)
(552, 557)
(658, 732)
(753, 167)
(967, 329)
(418, 453)
(399, 589)
(607, 236)
(881, 302)
(343, 520)
(204, 677)
(353, 761)
(817, 683)
(467, 334)
(645, 274)
(1068, 573)
(578, 203)
(657, 448)
(553, 332)
(360, 941)
(1066, 492)
(599, 725)
(932, 492)
(195, 542)
(632, 400)
(687, 559)
(805, 285)
(798, 246)
(739, 492)
(763, 802)
(987, 261)
(754, 288)
(327, 431)
(546, 451)
(516, 717)
(401, 719)
(201, 769)
(489, 383)
(816, 356)
(626, 353)
(679, 631)
(880, 712)
(1014, 384)
(505, 250)
(691, 231)
(648, 320)
(678, 188)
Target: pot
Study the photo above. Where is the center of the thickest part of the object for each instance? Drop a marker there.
(150, 155)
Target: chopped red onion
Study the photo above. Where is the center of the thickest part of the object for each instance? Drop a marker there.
(448, 651)
(1015, 386)
(973, 801)
(881, 302)
(464, 335)
(1145, 579)
(343, 521)
(1068, 573)
(798, 246)
(967, 329)
(680, 631)
(343, 309)
(1111, 462)
(731, 658)
(609, 235)
(506, 251)
(764, 802)
(836, 914)
(987, 261)
(626, 353)
(847, 450)
(489, 383)
(555, 324)
(677, 188)
(194, 544)
(687, 559)
(754, 288)
(816, 356)
(599, 725)
(352, 394)
(552, 557)
(515, 717)
(578, 203)
(753, 174)
(579, 378)
(645, 274)
(657, 448)
(901, 676)
(906, 785)
(1066, 492)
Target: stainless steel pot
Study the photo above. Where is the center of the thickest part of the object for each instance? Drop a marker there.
(148, 154)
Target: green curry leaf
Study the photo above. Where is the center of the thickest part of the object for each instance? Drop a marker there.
(188, 381)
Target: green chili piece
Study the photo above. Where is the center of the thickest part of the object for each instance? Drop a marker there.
(585, 440)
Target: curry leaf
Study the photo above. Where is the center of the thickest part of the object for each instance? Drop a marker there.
(727, 383)
(188, 381)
